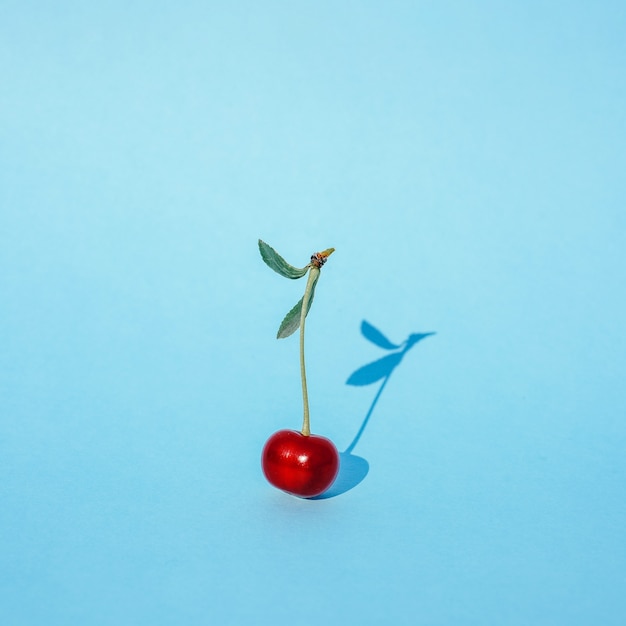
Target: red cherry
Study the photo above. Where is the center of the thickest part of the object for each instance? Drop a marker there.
(304, 466)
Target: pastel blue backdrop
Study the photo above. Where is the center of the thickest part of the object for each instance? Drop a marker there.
(467, 162)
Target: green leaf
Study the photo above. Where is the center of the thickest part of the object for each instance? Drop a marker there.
(291, 323)
(278, 264)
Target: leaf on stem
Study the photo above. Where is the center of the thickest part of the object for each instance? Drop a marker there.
(278, 264)
(291, 323)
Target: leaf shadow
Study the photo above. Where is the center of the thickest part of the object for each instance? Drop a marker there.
(352, 468)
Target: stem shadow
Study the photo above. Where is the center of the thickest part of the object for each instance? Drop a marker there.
(352, 468)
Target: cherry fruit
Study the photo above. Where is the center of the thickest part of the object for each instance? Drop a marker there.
(299, 463)
(302, 465)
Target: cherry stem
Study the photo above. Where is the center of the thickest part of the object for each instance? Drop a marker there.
(313, 276)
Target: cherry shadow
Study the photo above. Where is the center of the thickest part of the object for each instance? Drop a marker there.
(352, 468)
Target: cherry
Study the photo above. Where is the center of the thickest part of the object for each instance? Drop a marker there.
(301, 465)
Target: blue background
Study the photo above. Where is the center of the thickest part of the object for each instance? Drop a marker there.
(467, 162)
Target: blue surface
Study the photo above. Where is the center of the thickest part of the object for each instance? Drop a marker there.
(467, 162)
